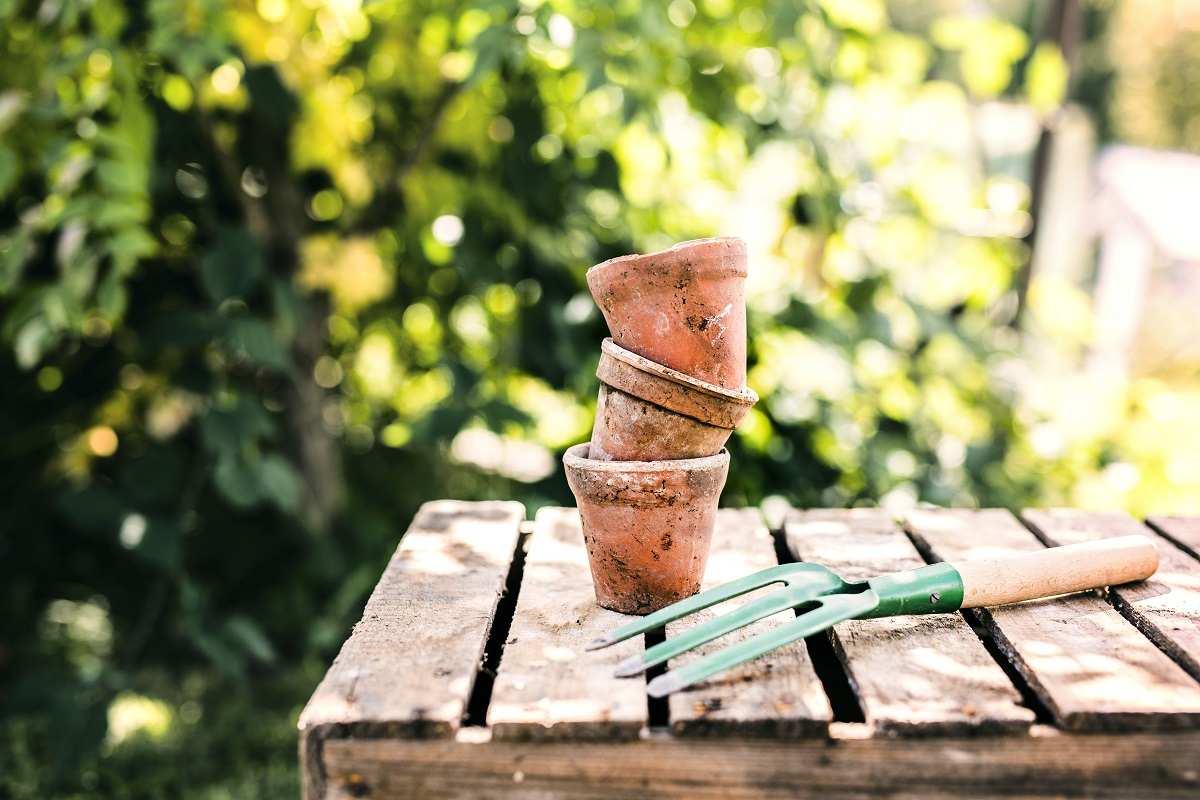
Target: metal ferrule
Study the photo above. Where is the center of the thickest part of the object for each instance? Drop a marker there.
(927, 590)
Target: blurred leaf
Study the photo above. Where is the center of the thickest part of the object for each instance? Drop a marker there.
(34, 340)
(128, 247)
(288, 308)
(232, 266)
(279, 481)
(79, 720)
(161, 544)
(255, 340)
(865, 16)
(186, 329)
(15, 250)
(250, 637)
(8, 170)
(1046, 78)
(111, 297)
(489, 49)
(236, 481)
(988, 47)
(228, 430)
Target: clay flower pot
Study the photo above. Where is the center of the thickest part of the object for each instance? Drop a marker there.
(648, 412)
(684, 307)
(646, 524)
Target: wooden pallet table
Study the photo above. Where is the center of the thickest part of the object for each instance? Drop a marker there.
(467, 677)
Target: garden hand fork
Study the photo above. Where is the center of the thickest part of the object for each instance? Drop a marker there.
(822, 599)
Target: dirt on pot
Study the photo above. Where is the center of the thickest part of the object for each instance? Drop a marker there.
(647, 525)
(683, 307)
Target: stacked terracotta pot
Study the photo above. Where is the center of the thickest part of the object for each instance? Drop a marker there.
(672, 389)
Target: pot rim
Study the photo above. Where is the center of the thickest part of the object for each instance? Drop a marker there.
(743, 397)
(576, 458)
(669, 258)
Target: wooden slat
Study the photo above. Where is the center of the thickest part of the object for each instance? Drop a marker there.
(1048, 764)
(548, 687)
(1182, 530)
(1167, 607)
(776, 695)
(409, 666)
(923, 675)
(1085, 662)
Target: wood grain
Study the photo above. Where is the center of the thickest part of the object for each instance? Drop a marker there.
(409, 666)
(1086, 663)
(1047, 764)
(778, 694)
(1052, 571)
(923, 675)
(547, 686)
(1167, 606)
(1182, 530)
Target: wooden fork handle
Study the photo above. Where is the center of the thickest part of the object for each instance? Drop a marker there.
(1057, 570)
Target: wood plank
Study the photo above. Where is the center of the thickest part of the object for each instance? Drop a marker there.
(776, 695)
(1086, 663)
(921, 675)
(1183, 530)
(1167, 606)
(547, 686)
(439, 589)
(1048, 764)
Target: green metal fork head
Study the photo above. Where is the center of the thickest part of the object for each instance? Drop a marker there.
(821, 597)
(800, 584)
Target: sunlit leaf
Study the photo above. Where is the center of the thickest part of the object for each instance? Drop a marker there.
(1046, 77)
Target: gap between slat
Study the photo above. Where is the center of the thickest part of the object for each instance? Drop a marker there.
(475, 715)
(1119, 603)
(1029, 697)
(1166, 534)
(658, 709)
(834, 678)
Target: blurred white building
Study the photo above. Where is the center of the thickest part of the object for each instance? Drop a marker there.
(1147, 291)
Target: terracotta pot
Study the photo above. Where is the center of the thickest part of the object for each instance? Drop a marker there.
(648, 412)
(631, 429)
(647, 525)
(684, 307)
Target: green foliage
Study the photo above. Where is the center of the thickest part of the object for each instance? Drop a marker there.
(273, 274)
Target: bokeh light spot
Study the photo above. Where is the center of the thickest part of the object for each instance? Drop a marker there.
(101, 441)
(49, 378)
(561, 31)
(272, 10)
(177, 92)
(448, 229)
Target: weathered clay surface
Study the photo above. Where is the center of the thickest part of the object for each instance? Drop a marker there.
(684, 307)
(647, 525)
(628, 428)
(645, 379)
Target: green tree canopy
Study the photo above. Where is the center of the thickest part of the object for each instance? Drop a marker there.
(274, 272)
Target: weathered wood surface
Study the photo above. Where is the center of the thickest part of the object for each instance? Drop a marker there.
(776, 695)
(1085, 662)
(1183, 530)
(454, 556)
(1167, 606)
(387, 720)
(924, 675)
(1047, 764)
(409, 666)
(548, 687)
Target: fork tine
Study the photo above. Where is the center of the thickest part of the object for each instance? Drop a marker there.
(740, 617)
(692, 604)
(833, 609)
